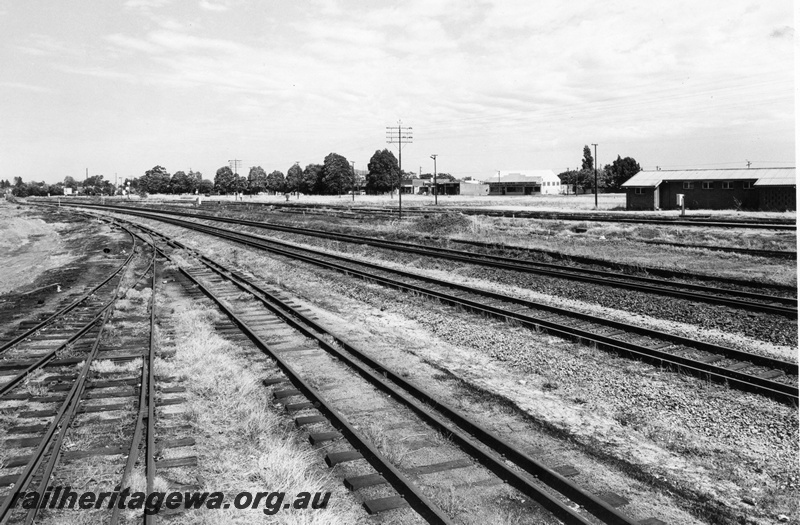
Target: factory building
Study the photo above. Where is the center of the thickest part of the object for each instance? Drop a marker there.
(713, 189)
(524, 182)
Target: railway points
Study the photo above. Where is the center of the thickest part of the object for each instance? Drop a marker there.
(737, 369)
(310, 363)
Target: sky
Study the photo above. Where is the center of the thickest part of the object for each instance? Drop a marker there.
(118, 87)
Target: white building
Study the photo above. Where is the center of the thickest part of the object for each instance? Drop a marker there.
(524, 182)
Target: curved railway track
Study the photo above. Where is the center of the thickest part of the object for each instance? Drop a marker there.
(738, 369)
(93, 403)
(254, 310)
(747, 300)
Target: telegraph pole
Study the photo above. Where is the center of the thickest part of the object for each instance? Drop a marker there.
(353, 167)
(234, 164)
(595, 176)
(435, 186)
(396, 136)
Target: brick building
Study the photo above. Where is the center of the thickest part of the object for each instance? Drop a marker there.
(714, 189)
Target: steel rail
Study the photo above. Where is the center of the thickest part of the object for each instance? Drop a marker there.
(781, 391)
(71, 306)
(788, 367)
(783, 254)
(672, 274)
(146, 399)
(601, 277)
(67, 419)
(542, 215)
(692, 292)
(399, 481)
(464, 431)
(63, 418)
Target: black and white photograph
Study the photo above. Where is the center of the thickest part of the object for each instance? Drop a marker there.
(334, 262)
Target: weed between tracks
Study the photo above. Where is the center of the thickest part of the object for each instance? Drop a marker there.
(242, 443)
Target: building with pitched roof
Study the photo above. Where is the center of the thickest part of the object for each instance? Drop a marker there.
(524, 182)
(713, 189)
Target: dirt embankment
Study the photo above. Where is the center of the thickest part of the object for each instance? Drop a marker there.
(29, 246)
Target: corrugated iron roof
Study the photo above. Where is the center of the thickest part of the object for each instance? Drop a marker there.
(762, 176)
(784, 177)
(533, 176)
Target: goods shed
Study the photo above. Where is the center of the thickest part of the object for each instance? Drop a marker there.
(713, 189)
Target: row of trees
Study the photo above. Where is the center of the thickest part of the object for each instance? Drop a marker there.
(334, 176)
(19, 188)
(610, 178)
(158, 180)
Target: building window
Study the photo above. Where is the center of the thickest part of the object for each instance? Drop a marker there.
(747, 185)
(708, 185)
(727, 185)
(639, 191)
(688, 185)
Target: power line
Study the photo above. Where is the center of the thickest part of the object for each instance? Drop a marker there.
(397, 136)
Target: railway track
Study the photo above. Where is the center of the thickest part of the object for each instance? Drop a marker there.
(737, 369)
(591, 261)
(360, 211)
(305, 349)
(82, 407)
(736, 298)
(774, 254)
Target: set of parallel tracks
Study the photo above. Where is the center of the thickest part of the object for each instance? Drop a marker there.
(776, 224)
(254, 308)
(736, 298)
(79, 395)
(737, 369)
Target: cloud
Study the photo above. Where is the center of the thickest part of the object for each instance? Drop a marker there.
(783, 32)
(208, 6)
(27, 87)
(145, 4)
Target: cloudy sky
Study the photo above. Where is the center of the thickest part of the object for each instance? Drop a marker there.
(118, 87)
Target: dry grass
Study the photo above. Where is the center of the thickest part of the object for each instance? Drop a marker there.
(107, 366)
(246, 446)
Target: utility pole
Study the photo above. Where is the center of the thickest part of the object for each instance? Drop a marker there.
(396, 136)
(234, 164)
(435, 185)
(595, 175)
(353, 167)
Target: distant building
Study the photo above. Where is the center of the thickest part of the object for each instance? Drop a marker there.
(713, 189)
(524, 182)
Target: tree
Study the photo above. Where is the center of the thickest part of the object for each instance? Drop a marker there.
(588, 161)
(155, 180)
(19, 188)
(182, 183)
(275, 181)
(383, 173)
(294, 178)
(239, 183)
(95, 185)
(312, 179)
(257, 179)
(337, 174)
(205, 186)
(69, 182)
(580, 179)
(616, 173)
(223, 181)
